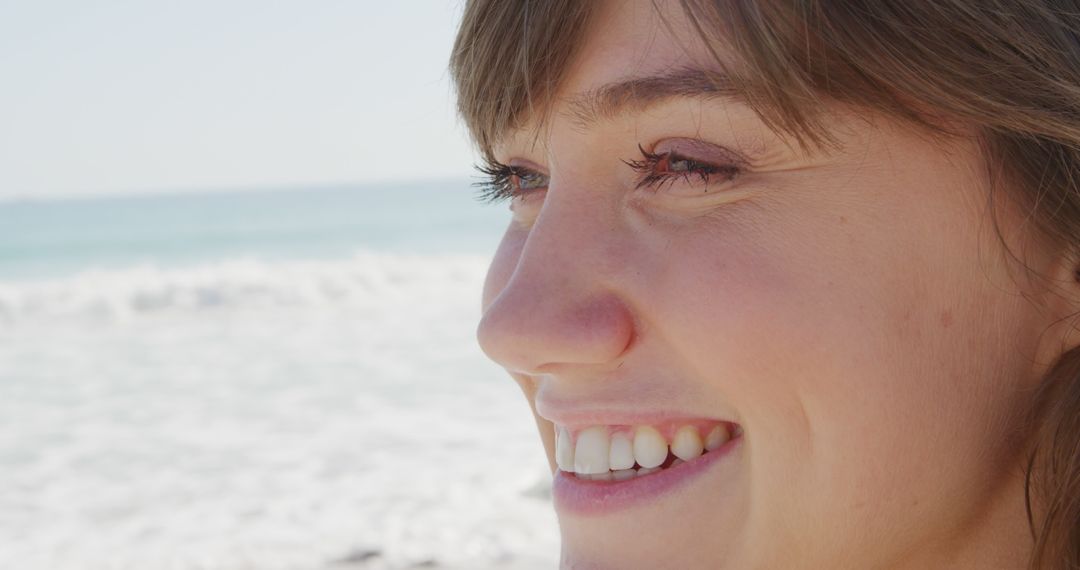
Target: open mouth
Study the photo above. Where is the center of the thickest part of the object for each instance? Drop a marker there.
(605, 468)
(619, 453)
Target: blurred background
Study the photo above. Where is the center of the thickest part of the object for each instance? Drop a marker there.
(240, 275)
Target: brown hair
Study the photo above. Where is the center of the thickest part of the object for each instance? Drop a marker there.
(1009, 69)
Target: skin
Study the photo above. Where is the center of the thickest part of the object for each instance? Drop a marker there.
(853, 311)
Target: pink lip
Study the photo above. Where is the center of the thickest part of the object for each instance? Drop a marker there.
(585, 497)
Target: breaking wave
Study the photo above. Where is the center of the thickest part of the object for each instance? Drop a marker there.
(367, 280)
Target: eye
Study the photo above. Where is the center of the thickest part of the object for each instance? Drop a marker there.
(502, 181)
(671, 166)
(685, 162)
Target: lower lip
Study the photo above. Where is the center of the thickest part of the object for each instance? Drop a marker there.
(586, 497)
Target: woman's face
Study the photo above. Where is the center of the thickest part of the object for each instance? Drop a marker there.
(851, 312)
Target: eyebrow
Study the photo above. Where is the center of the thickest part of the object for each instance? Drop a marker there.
(638, 93)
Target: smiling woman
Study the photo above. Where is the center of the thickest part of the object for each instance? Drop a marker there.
(789, 285)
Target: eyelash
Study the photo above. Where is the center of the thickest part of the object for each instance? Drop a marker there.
(498, 183)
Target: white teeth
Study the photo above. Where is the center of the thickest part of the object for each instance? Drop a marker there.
(717, 437)
(650, 449)
(598, 454)
(564, 450)
(622, 452)
(591, 453)
(687, 443)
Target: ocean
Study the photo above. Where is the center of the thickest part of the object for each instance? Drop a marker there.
(261, 379)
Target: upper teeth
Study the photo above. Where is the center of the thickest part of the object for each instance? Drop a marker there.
(598, 450)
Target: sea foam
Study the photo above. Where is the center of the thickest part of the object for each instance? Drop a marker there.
(262, 414)
(368, 280)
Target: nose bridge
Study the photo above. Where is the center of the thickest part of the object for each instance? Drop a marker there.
(559, 305)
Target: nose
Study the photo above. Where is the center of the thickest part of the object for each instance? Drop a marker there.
(558, 306)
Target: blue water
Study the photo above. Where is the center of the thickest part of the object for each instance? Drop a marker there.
(57, 237)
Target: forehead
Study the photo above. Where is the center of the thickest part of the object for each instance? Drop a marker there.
(627, 40)
(636, 37)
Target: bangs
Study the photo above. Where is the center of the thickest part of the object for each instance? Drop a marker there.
(508, 60)
(791, 60)
(796, 59)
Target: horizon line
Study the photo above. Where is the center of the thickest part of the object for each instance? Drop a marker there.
(224, 189)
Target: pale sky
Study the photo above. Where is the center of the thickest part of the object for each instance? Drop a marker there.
(122, 96)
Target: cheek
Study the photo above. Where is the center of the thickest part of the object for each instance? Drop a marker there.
(854, 368)
(737, 316)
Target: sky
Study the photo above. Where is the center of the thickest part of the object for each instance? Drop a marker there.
(131, 96)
